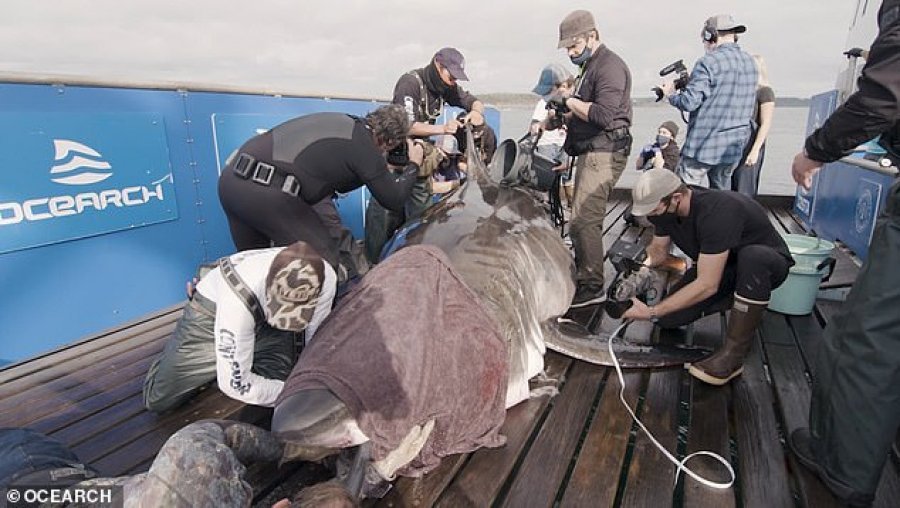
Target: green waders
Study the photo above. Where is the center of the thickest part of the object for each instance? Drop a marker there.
(855, 409)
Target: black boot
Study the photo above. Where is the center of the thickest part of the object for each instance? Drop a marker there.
(800, 442)
(727, 362)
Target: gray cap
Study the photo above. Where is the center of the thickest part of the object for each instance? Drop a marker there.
(550, 76)
(724, 23)
(448, 144)
(454, 61)
(577, 23)
(650, 188)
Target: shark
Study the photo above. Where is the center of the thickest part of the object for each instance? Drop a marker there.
(501, 241)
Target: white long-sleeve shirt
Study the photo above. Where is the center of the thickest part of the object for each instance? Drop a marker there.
(235, 326)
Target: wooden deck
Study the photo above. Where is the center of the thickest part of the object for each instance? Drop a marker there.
(579, 448)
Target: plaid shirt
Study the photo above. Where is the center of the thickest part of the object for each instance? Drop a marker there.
(720, 97)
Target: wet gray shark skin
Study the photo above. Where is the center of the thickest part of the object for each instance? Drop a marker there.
(503, 244)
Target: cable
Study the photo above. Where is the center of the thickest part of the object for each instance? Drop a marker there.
(681, 464)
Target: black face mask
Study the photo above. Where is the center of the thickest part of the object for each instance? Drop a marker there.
(583, 57)
(434, 82)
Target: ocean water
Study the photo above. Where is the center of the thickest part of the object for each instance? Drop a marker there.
(785, 139)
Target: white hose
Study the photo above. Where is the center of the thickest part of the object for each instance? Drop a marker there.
(681, 464)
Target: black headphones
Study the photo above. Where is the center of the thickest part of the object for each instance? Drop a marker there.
(709, 33)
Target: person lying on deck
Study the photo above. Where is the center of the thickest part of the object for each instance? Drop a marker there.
(201, 465)
(240, 327)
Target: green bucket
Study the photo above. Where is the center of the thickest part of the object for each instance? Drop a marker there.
(813, 264)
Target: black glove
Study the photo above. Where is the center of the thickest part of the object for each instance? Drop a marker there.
(857, 52)
(558, 104)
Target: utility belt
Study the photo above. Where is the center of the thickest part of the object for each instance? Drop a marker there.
(613, 140)
(265, 174)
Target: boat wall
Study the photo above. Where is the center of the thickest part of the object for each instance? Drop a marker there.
(108, 199)
(845, 199)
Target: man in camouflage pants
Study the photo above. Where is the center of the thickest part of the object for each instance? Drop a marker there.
(202, 464)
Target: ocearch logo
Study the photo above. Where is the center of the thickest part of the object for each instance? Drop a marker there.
(86, 166)
(74, 156)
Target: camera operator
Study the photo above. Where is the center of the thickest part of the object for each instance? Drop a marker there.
(720, 97)
(598, 134)
(554, 83)
(664, 152)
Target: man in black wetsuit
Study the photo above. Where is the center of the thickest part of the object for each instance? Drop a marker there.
(277, 188)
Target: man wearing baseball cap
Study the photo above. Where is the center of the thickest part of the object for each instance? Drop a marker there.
(598, 133)
(423, 93)
(719, 124)
(738, 256)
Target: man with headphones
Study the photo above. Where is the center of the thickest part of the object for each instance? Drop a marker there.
(720, 98)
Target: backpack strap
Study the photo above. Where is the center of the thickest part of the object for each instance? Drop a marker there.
(241, 289)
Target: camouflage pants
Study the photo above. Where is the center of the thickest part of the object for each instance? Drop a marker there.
(201, 465)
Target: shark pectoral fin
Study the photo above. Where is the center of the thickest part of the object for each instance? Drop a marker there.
(572, 339)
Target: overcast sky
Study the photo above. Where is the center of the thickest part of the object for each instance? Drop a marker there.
(357, 47)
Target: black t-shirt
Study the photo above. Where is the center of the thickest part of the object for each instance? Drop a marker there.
(328, 153)
(720, 220)
(424, 104)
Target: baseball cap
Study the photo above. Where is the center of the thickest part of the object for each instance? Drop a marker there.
(576, 23)
(651, 187)
(550, 76)
(453, 60)
(725, 23)
(448, 144)
(293, 285)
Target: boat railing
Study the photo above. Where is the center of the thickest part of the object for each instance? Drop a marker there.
(872, 165)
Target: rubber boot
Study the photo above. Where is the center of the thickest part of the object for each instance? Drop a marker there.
(727, 362)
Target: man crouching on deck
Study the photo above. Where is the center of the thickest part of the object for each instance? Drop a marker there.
(239, 327)
(735, 250)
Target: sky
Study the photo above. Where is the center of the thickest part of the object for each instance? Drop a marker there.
(360, 48)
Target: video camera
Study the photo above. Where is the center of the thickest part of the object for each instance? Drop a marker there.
(680, 82)
(648, 153)
(557, 104)
(633, 279)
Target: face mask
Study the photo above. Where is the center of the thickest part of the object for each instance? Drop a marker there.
(662, 140)
(583, 57)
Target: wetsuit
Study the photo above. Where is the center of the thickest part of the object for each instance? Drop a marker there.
(313, 157)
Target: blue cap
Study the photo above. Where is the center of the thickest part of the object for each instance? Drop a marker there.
(550, 76)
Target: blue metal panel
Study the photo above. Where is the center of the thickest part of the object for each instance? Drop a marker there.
(77, 175)
(79, 280)
(820, 108)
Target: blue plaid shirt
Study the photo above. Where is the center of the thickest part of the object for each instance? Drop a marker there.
(720, 97)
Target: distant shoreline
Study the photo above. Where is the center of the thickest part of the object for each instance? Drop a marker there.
(504, 100)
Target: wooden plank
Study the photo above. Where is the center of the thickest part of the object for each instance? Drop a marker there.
(96, 347)
(424, 491)
(66, 367)
(650, 473)
(708, 428)
(761, 464)
(793, 393)
(541, 473)
(18, 411)
(595, 479)
(481, 480)
(141, 447)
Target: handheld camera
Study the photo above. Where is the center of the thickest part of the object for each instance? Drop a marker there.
(680, 82)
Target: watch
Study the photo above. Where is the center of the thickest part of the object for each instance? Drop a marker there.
(653, 317)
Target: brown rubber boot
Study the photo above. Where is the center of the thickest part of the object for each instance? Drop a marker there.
(727, 362)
